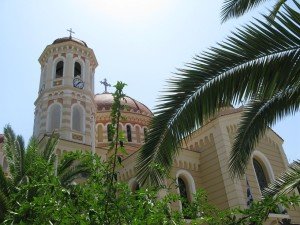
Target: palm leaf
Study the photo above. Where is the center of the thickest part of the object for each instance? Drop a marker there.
(48, 152)
(237, 8)
(4, 187)
(71, 168)
(4, 206)
(19, 152)
(286, 182)
(236, 70)
(257, 117)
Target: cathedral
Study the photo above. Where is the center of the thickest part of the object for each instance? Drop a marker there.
(67, 104)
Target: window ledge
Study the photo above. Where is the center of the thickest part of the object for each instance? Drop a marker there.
(280, 216)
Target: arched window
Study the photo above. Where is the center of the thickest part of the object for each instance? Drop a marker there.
(54, 117)
(109, 132)
(138, 134)
(128, 131)
(59, 70)
(78, 118)
(183, 191)
(100, 133)
(77, 69)
(145, 134)
(260, 174)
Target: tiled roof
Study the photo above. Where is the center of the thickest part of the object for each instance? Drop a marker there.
(104, 101)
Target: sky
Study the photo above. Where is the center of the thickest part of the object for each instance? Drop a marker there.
(139, 42)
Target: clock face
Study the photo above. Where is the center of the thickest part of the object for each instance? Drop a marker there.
(78, 83)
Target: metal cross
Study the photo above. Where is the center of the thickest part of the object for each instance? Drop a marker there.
(71, 32)
(104, 82)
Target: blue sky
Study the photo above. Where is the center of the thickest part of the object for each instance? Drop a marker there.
(140, 42)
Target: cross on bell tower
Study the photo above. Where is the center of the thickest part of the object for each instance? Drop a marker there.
(104, 82)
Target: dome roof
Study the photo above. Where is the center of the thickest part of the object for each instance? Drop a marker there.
(104, 101)
(65, 39)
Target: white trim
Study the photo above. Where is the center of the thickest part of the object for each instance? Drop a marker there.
(266, 162)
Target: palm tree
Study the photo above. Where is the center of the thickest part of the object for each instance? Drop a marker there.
(258, 65)
(20, 159)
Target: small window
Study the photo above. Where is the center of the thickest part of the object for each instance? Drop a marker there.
(109, 132)
(77, 69)
(59, 69)
(128, 131)
(77, 118)
(261, 177)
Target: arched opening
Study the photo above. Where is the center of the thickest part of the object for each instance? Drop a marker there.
(77, 70)
(100, 133)
(109, 132)
(128, 131)
(59, 71)
(260, 174)
(78, 118)
(54, 117)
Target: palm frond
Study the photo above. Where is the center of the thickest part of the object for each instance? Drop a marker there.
(286, 182)
(234, 71)
(257, 117)
(276, 8)
(9, 146)
(19, 153)
(4, 187)
(236, 8)
(48, 151)
(72, 167)
(4, 206)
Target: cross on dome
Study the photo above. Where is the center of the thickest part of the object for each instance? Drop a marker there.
(104, 82)
(71, 32)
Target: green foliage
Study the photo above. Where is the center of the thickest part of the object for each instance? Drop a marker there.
(21, 171)
(85, 203)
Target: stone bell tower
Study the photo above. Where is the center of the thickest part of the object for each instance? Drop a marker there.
(65, 102)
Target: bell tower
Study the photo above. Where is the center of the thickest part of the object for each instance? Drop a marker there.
(65, 102)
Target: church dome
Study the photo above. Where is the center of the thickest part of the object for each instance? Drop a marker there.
(104, 102)
(66, 39)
